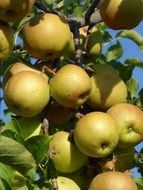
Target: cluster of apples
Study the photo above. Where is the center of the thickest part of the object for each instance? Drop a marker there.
(109, 125)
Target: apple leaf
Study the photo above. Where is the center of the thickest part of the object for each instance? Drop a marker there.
(132, 35)
(17, 156)
(40, 143)
(139, 182)
(132, 87)
(134, 61)
(4, 185)
(13, 135)
(13, 126)
(6, 172)
(141, 96)
(114, 52)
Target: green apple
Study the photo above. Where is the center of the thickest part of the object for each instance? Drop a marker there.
(95, 134)
(129, 123)
(26, 93)
(13, 10)
(7, 40)
(112, 180)
(108, 89)
(65, 183)
(64, 154)
(70, 86)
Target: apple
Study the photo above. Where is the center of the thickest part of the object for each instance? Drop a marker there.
(94, 43)
(7, 40)
(95, 134)
(18, 67)
(71, 86)
(46, 36)
(129, 123)
(107, 90)
(112, 180)
(64, 154)
(58, 115)
(65, 183)
(14, 10)
(26, 93)
(30, 126)
(119, 14)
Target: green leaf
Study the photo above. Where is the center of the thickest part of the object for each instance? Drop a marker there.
(114, 52)
(141, 96)
(132, 87)
(134, 61)
(13, 135)
(6, 172)
(4, 185)
(17, 156)
(38, 146)
(139, 182)
(132, 35)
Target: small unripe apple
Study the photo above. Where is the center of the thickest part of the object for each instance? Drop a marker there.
(13, 10)
(7, 40)
(129, 122)
(95, 134)
(121, 14)
(64, 154)
(46, 36)
(70, 86)
(112, 180)
(26, 93)
(107, 90)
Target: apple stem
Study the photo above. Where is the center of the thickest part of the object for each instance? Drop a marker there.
(44, 127)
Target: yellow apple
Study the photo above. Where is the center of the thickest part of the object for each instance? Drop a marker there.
(121, 14)
(46, 36)
(107, 90)
(26, 93)
(6, 40)
(129, 122)
(95, 134)
(70, 86)
(64, 154)
(112, 180)
(13, 10)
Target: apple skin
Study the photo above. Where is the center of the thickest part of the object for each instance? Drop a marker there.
(95, 134)
(129, 122)
(107, 90)
(65, 183)
(70, 86)
(7, 40)
(46, 36)
(26, 93)
(119, 14)
(112, 180)
(64, 154)
(16, 68)
(94, 43)
(14, 10)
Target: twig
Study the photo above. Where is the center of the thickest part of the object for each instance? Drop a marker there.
(44, 127)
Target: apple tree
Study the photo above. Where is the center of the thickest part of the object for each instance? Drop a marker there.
(72, 111)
